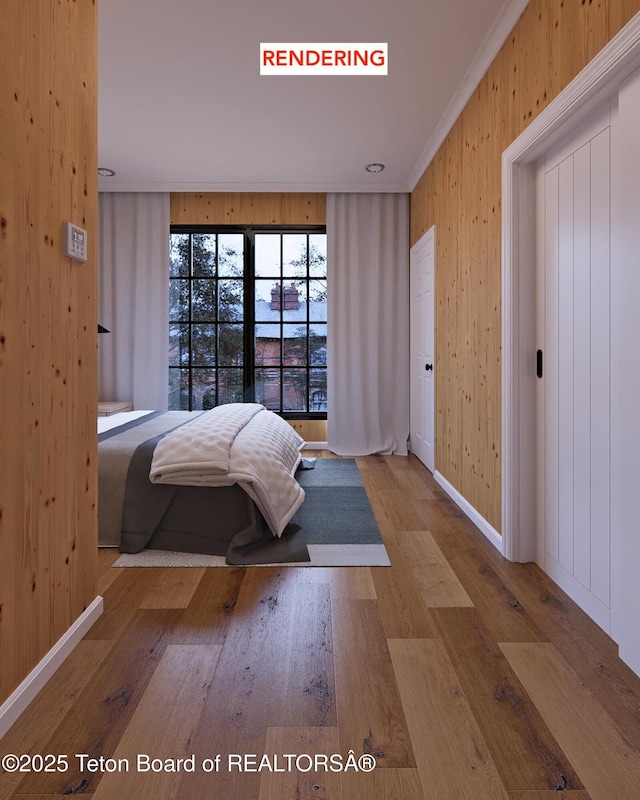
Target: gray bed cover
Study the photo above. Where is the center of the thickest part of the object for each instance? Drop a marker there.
(135, 513)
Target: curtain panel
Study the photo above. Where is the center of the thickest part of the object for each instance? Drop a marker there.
(133, 284)
(368, 308)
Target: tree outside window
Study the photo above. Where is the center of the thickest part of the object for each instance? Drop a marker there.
(248, 319)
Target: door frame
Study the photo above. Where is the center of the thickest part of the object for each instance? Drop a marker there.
(597, 83)
(429, 235)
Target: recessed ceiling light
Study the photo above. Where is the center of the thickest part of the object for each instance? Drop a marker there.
(374, 167)
(105, 172)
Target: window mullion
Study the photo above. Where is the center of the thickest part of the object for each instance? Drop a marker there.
(308, 332)
(281, 324)
(190, 359)
(249, 324)
(216, 317)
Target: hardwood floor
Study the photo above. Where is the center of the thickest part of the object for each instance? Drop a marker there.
(464, 676)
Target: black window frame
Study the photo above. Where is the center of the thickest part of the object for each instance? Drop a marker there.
(249, 321)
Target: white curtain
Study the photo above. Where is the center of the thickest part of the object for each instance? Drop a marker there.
(133, 289)
(368, 336)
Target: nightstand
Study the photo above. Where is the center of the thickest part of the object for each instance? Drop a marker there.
(113, 407)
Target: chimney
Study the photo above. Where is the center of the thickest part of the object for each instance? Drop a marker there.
(291, 298)
(275, 298)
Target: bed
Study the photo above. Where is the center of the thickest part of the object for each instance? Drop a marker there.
(220, 482)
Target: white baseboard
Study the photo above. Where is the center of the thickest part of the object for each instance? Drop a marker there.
(479, 521)
(316, 446)
(16, 703)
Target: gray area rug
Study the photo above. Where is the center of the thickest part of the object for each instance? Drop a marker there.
(335, 519)
(336, 507)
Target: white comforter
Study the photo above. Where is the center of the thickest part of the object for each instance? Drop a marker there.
(239, 443)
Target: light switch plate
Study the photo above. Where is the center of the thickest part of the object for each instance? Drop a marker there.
(75, 242)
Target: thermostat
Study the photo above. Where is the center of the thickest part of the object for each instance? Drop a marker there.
(75, 242)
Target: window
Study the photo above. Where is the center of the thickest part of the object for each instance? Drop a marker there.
(248, 318)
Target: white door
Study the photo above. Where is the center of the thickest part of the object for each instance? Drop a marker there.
(625, 373)
(422, 261)
(573, 365)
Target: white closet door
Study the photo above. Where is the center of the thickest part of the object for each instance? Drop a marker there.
(625, 373)
(422, 261)
(573, 324)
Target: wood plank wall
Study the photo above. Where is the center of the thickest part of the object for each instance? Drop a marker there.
(460, 193)
(255, 208)
(248, 208)
(48, 374)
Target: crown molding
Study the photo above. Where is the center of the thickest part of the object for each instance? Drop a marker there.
(504, 23)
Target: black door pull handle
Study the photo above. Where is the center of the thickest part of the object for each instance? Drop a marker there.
(539, 363)
(428, 367)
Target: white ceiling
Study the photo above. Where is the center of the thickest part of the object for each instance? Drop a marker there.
(182, 106)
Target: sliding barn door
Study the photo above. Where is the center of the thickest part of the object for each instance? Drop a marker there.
(573, 365)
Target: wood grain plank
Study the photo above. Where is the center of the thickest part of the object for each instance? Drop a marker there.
(535, 589)
(35, 726)
(275, 670)
(174, 588)
(608, 766)
(412, 476)
(370, 716)
(496, 584)
(376, 474)
(206, 619)
(248, 208)
(394, 513)
(505, 592)
(121, 601)
(353, 582)
(446, 522)
(404, 463)
(593, 656)
(382, 784)
(106, 572)
(577, 794)
(452, 757)
(300, 783)
(311, 430)
(502, 611)
(162, 724)
(437, 582)
(383, 511)
(524, 750)
(105, 706)
(404, 614)
(318, 454)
